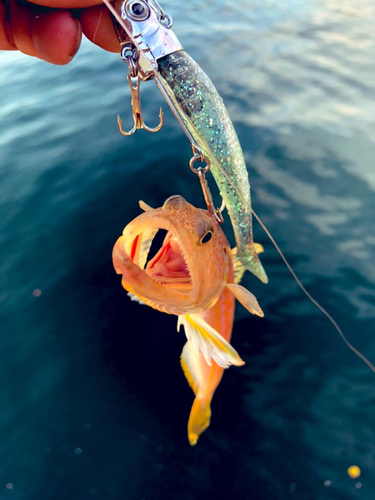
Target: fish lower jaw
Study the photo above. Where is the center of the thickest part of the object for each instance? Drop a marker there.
(177, 283)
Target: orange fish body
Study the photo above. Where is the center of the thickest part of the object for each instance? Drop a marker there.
(207, 378)
(191, 276)
(186, 275)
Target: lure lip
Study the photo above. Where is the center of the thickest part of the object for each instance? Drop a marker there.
(151, 34)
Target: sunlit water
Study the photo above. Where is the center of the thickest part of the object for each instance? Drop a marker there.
(93, 401)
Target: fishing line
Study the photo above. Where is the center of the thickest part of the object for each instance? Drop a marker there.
(326, 314)
(117, 17)
(97, 26)
(230, 181)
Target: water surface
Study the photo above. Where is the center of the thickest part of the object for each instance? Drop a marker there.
(94, 403)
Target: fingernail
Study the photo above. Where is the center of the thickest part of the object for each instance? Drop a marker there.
(78, 41)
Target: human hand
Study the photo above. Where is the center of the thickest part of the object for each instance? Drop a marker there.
(52, 29)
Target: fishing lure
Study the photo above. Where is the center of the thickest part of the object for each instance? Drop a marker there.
(152, 51)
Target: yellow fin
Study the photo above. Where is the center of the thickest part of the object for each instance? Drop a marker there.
(200, 413)
(190, 367)
(207, 341)
(135, 298)
(247, 299)
(144, 206)
(199, 420)
(238, 267)
(258, 248)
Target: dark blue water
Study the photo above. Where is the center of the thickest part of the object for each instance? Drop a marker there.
(93, 401)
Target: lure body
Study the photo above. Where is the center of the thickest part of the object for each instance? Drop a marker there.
(204, 114)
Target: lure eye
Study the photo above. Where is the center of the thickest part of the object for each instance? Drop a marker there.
(137, 10)
(206, 238)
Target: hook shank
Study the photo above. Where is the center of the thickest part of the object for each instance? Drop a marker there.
(134, 85)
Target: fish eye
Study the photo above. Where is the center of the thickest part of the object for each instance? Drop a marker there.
(206, 238)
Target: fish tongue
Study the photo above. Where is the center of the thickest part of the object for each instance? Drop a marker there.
(168, 262)
(175, 261)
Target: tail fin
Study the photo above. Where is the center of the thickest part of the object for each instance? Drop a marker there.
(199, 420)
(249, 261)
(200, 413)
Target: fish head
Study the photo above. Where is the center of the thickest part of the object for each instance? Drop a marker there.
(189, 270)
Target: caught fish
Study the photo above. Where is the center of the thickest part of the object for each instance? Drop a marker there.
(152, 51)
(193, 277)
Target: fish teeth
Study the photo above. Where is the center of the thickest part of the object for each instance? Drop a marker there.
(147, 238)
(183, 253)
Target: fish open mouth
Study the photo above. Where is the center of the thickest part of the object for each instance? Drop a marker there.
(164, 260)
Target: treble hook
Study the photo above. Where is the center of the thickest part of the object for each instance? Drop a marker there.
(137, 111)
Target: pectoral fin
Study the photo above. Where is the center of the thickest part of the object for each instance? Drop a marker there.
(135, 298)
(208, 341)
(246, 298)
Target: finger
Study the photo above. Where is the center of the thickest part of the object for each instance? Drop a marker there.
(67, 4)
(97, 26)
(56, 36)
(6, 39)
(20, 23)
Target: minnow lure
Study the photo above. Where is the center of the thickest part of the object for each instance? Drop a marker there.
(152, 51)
